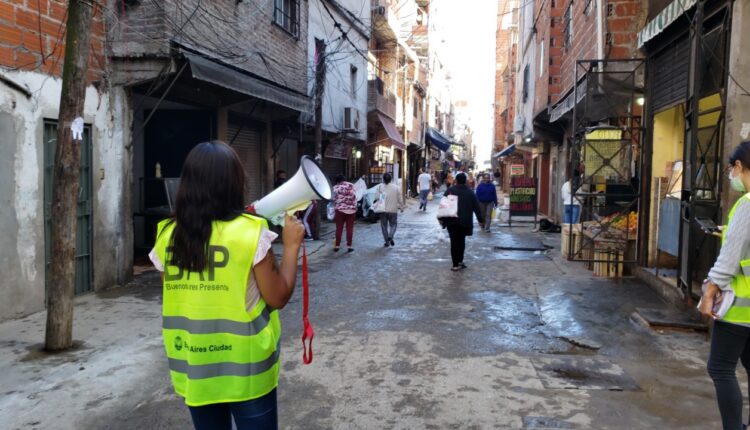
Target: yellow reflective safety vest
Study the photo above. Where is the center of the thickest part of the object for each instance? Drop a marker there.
(739, 312)
(218, 351)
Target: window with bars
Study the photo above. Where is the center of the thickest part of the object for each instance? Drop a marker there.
(286, 14)
(568, 31)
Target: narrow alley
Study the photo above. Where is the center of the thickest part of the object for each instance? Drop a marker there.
(519, 339)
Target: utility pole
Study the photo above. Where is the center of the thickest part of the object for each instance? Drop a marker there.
(65, 182)
(320, 82)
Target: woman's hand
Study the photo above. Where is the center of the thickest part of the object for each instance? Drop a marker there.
(276, 284)
(293, 232)
(706, 307)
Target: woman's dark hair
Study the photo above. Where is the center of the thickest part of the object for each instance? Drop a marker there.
(461, 178)
(387, 178)
(212, 188)
(339, 179)
(741, 153)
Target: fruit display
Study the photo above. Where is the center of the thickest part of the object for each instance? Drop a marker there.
(622, 223)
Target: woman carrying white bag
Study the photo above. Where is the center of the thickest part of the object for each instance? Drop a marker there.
(456, 213)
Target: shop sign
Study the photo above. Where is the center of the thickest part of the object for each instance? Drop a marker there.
(517, 170)
(523, 196)
(340, 150)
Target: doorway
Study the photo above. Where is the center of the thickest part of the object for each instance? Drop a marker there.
(84, 271)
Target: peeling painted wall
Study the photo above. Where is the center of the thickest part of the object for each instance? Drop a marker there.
(22, 259)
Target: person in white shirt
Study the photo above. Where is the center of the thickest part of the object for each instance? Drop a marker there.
(572, 205)
(424, 182)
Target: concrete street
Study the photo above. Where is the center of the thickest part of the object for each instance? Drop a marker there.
(517, 340)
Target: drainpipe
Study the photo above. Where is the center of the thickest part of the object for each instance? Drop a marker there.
(600, 29)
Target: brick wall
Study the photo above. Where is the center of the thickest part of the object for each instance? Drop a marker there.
(623, 20)
(24, 47)
(240, 33)
(583, 43)
(542, 40)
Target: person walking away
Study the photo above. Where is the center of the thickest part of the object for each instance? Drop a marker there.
(424, 181)
(730, 337)
(571, 204)
(222, 292)
(487, 197)
(394, 202)
(345, 202)
(463, 226)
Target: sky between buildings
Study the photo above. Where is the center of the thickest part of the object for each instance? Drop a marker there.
(470, 48)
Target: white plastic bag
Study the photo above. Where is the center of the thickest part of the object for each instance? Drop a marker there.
(448, 207)
(442, 237)
(330, 211)
(360, 188)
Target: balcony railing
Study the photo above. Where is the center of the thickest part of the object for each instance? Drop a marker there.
(380, 99)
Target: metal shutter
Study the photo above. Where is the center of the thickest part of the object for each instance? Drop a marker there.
(670, 74)
(247, 145)
(333, 167)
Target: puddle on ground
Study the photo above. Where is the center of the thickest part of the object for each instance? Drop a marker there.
(582, 374)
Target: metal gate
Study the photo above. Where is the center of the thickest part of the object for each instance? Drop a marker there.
(246, 142)
(704, 142)
(606, 149)
(84, 270)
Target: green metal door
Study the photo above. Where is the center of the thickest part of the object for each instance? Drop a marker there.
(83, 211)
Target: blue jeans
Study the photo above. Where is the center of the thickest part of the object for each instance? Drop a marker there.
(423, 198)
(572, 214)
(260, 414)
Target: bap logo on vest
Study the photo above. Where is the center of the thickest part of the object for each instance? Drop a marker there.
(308, 184)
(178, 343)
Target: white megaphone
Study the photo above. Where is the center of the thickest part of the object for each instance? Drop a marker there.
(309, 183)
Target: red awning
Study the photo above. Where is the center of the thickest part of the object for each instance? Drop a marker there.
(393, 134)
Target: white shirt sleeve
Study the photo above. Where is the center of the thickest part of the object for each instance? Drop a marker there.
(265, 240)
(736, 248)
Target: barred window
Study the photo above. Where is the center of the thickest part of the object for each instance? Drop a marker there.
(286, 14)
(568, 31)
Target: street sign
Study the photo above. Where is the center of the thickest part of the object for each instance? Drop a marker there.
(522, 196)
(517, 170)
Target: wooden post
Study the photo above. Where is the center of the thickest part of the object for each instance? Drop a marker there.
(65, 182)
(320, 81)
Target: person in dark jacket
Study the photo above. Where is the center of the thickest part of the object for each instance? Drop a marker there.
(459, 228)
(487, 196)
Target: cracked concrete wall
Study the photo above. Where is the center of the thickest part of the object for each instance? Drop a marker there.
(22, 254)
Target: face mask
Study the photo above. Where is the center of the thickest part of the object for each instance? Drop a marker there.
(736, 183)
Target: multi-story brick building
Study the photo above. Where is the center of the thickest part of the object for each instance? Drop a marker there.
(195, 71)
(554, 37)
(32, 44)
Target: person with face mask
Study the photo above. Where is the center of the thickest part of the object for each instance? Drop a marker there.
(730, 338)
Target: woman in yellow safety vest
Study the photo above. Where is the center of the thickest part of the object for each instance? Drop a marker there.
(222, 290)
(730, 339)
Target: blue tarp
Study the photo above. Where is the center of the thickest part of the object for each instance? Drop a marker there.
(437, 139)
(507, 151)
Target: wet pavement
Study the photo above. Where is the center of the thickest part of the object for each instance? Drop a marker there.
(519, 339)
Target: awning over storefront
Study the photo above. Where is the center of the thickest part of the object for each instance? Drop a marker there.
(563, 107)
(507, 151)
(437, 139)
(227, 77)
(661, 21)
(390, 129)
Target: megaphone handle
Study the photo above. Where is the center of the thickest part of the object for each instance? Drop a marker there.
(307, 329)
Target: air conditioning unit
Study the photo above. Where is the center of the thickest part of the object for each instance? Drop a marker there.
(351, 119)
